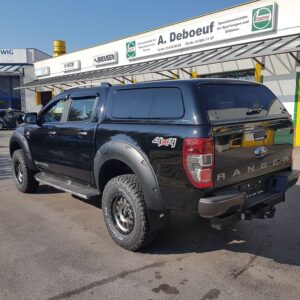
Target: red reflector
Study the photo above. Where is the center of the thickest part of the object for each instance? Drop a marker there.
(205, 175)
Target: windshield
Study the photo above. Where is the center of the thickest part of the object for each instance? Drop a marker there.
(236, 101)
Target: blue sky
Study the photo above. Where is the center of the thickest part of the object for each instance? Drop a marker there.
(36, 23)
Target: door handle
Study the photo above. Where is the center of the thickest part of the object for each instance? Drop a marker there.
(49, 127)
(82, 133)
(51, 133)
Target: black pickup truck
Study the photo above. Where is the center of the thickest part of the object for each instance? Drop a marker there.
(221, 148)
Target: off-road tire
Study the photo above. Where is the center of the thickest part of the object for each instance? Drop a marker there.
(129, 187)
(28, 183)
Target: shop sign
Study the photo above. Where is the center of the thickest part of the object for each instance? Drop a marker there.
(262, 18)
(201, 33)
(13, 56)
(42, 71)
(106, 59)
(71, 66)
(130, 49)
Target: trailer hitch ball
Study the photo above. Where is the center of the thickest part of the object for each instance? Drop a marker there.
(264, 212)
(246, 215)
(270, 214)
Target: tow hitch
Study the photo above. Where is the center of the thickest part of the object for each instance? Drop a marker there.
(262, 211)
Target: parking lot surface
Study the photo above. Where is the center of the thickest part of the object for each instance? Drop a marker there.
(55, 246)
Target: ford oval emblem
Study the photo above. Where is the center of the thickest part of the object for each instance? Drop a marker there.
(260, 152)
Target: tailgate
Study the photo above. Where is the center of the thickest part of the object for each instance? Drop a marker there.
(253, 132)
(245, 151)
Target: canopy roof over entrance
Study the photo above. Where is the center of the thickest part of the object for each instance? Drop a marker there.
(11, 68)
(166, 66)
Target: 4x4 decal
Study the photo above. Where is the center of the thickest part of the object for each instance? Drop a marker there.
(160, 141)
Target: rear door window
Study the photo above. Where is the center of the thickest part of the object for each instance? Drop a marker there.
(149, 103)
(81, 109)
(239, 101)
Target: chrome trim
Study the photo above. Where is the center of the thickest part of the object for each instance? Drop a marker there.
(260, 151)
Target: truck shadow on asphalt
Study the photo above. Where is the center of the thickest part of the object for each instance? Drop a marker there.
(277, 239)
(45, 189)
(6, 173)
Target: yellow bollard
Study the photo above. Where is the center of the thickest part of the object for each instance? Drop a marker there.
(258, 76)
(297, 112)
(38, 98)
(194, 74)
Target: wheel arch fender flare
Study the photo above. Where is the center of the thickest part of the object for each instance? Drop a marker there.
(138, 162)
(18, 138)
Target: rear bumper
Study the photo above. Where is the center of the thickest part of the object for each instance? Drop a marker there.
(232, 200)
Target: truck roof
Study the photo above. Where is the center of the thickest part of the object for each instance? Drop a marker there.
(177, 82)
(198, 81)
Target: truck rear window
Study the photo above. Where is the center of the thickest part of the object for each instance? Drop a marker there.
(239, 101)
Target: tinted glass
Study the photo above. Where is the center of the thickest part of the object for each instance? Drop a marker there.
(3, 103)
(5, 87)
(54, 114)
(159, 103)
(16, 103)
(236, 101)
(15, 82)
(81, 109)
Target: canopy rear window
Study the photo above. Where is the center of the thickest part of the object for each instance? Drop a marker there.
(148, 103)
(226, 102)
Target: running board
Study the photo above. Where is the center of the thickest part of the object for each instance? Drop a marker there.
(67, 185)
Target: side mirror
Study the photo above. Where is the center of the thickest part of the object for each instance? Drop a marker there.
(30, 118)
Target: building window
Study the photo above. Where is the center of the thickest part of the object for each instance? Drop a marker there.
(10, 98)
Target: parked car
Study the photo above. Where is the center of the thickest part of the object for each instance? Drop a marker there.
(221, 148)
(10, 118)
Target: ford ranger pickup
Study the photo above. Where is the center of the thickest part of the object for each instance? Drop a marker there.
(218, 147)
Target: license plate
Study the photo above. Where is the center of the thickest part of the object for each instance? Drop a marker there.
(252, 188)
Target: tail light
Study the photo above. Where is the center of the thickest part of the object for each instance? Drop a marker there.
(198, 161)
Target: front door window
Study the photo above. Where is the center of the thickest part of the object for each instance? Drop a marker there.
(55, 113)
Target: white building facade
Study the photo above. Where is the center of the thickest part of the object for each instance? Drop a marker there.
(16, 67)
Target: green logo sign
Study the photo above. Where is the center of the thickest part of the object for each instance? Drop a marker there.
(130, 49)
(262, 18)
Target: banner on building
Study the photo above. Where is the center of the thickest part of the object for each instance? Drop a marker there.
(13, 56)
(243, 23)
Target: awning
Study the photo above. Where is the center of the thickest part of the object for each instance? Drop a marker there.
(166, 66)
(10, 68)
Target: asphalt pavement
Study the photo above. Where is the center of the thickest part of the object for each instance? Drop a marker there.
(55, 246)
